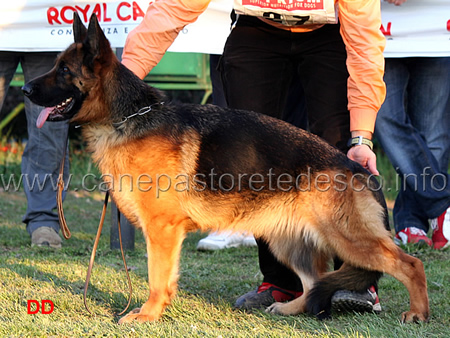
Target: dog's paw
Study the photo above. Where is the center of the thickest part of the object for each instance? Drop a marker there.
(291, 308)
(136, 315)
(276, 309)
(413, 317)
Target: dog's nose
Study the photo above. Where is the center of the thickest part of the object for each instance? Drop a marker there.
(27, 89)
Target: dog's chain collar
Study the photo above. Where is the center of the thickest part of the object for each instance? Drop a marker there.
(140, 112)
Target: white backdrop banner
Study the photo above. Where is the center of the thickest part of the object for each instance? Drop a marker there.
(418, 27)
(46, 25)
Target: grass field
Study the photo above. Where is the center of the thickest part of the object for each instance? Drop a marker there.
(209, 284)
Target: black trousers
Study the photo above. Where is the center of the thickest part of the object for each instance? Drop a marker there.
(258, 67)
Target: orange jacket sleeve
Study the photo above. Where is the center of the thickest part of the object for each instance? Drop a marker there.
(360, 28)
(147, 43)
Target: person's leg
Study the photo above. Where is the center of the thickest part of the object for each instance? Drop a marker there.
(256, 74)
(323, 71)
(225, 239)
(218, 96)
(8, 66)
(429, 111)
(42, 155)
(412, 115)
(294, 113)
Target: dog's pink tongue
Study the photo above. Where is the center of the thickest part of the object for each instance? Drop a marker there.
(43, 116)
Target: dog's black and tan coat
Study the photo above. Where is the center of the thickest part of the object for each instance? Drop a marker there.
(177, 168)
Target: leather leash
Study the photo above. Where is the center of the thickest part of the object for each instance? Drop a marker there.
(66, 233)
(59, 200)
(94, 250)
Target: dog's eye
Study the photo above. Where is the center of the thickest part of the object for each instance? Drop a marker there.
(63, 69)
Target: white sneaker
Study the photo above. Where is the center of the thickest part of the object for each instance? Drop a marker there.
(249, 240)
(46, 236)
(224, 240)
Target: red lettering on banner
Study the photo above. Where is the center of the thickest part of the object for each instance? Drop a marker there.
(52, 15)
(387, 31)
(84, 12)
(97, 11)
(137, 11)
(105, 12)
(69, 18)
(288, 5)
(64, 15)
(119, 15)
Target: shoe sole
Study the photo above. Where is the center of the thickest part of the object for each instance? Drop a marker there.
(420, 243)
(347, 303)
(352, 305)
(47, 245)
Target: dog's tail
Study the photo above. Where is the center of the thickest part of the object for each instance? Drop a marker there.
(347, 277)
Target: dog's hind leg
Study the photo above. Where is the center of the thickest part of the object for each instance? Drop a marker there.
(361, 240)
(378, 252)
(383, 255)
(163, 248)
(410, 271)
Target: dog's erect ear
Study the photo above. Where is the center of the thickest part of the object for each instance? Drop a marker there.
(96, 40)
(79, 30)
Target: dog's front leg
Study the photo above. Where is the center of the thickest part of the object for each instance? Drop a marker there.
(163, 249)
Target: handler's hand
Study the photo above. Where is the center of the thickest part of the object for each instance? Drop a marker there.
(364, 156)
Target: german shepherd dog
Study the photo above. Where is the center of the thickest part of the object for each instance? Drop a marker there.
(184, 167)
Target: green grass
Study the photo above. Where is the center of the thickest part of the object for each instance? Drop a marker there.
(209, 284)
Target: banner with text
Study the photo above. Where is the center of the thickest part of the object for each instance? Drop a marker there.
(46, 25)
(418, 27)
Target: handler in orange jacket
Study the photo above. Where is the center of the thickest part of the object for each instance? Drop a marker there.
(340, 65)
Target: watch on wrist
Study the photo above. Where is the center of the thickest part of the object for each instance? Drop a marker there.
(359, 140)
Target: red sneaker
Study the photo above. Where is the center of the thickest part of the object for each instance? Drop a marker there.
(441, 230)
(278, 294)
(265, 295)
(412, 235)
